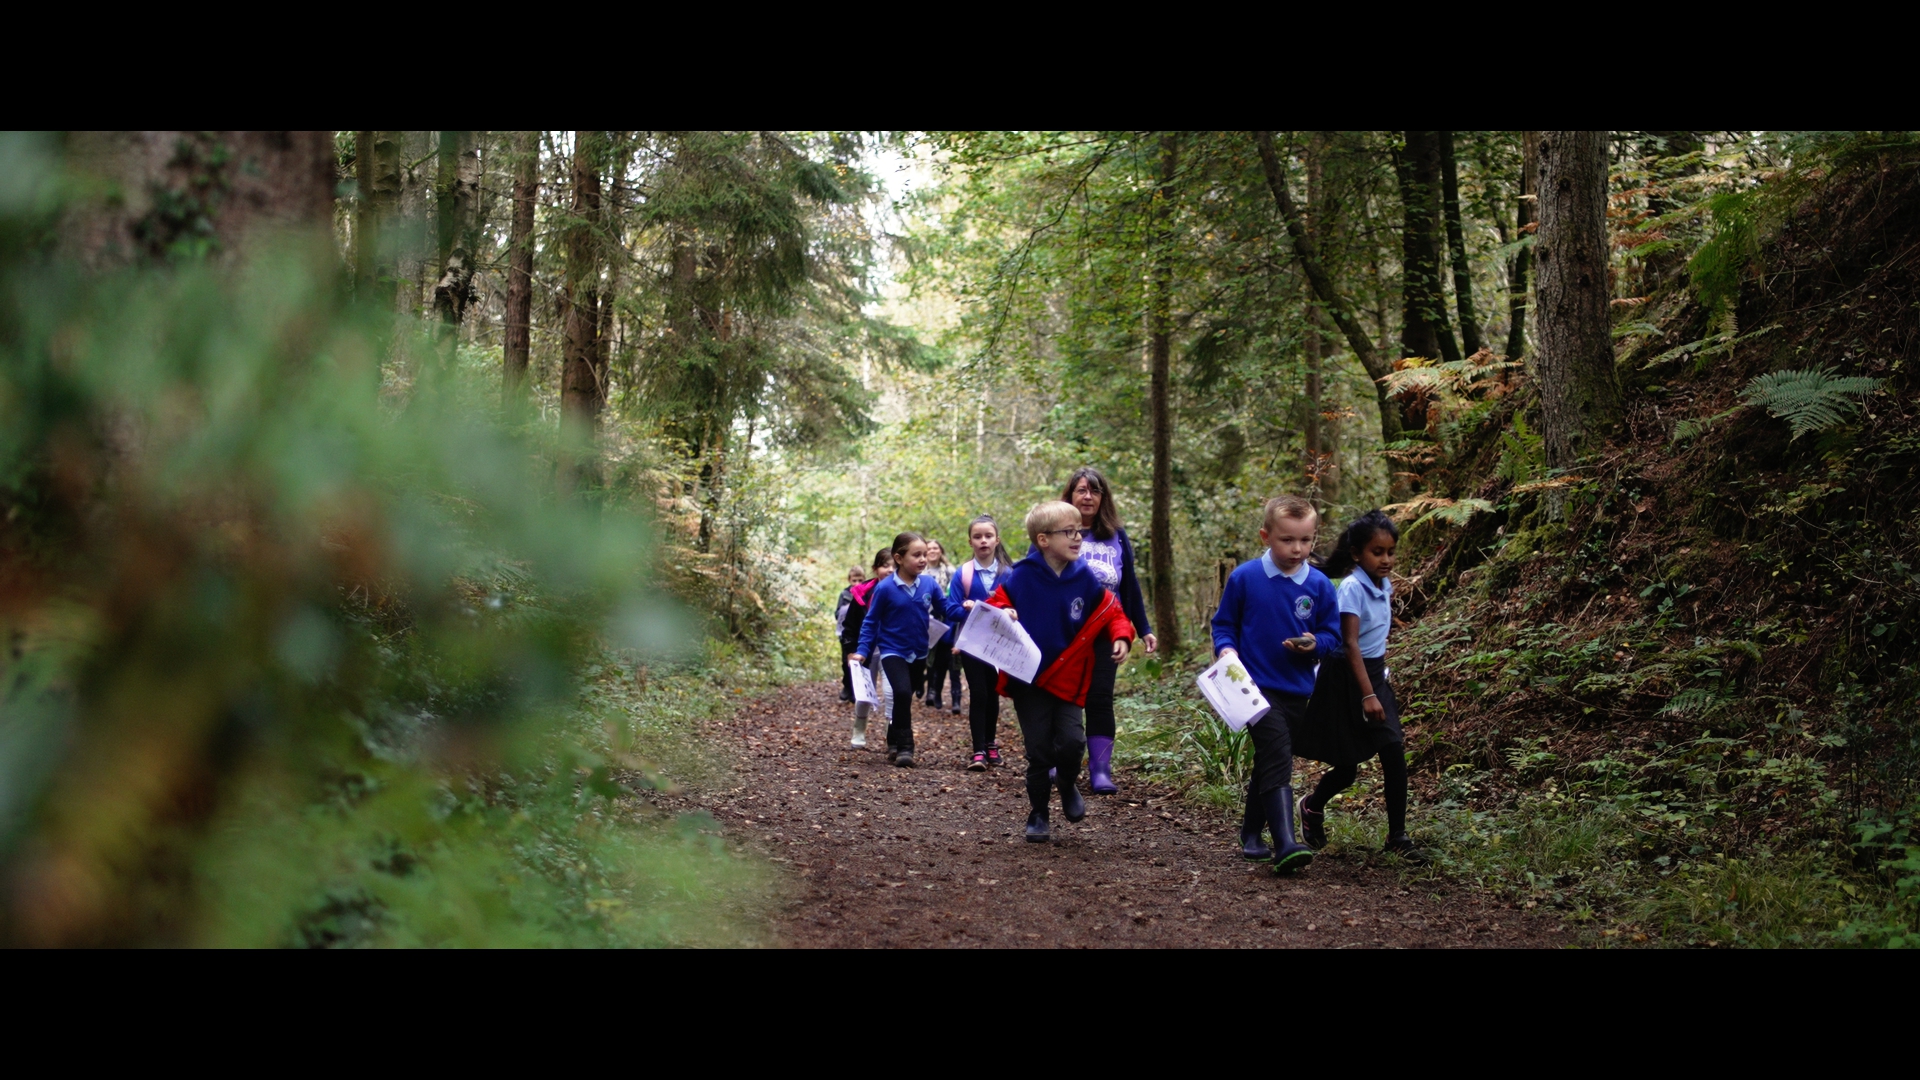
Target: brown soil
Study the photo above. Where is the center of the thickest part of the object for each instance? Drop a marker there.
(933, 857)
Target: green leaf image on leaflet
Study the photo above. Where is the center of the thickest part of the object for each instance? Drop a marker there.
(1237, 710)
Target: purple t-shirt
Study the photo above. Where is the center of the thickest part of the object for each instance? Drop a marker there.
(1103, 557)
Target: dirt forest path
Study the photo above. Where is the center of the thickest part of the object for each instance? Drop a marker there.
(933, 857)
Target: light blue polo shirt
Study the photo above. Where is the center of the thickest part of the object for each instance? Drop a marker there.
(1374, 604)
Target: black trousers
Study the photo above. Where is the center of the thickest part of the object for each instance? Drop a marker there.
(1100, 693)
(1393, 770)
(1273, 742)
(942, 666)
(846, 674)
(917, 676)
(1055, 737)
(983, 708)
(900, 677)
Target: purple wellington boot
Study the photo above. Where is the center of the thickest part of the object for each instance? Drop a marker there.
(1100, 765)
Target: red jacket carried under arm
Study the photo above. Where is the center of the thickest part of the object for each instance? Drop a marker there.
(1071, 673)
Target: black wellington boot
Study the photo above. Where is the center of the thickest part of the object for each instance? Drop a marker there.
(1252, 821)
(1071, 804)
(1037, 795)
(1288, 854)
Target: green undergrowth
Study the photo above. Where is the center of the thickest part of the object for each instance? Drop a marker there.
(1672, 692)
(552, 847)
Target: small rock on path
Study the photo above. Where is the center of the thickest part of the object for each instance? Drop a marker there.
(933, 857)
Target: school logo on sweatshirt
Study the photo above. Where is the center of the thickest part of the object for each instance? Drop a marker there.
(1303, 607)
(1076, 609)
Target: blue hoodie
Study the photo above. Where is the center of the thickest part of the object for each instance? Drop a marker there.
(1052, 606)
(897, 617)
(1262, 607)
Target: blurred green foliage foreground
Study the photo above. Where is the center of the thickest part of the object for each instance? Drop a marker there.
(288, 662)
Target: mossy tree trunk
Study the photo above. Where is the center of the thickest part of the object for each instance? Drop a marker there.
(1457, 245)
(456, 192)
(519, 314)
(1160, 355)
(1525, 217)
(1580, 397)
(583, 372)
(1424, 330)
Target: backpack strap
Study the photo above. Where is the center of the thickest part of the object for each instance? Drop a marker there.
(966, 580)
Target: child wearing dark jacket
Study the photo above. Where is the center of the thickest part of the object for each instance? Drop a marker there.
(896, 631)
(1066, 611)
(1277, 615)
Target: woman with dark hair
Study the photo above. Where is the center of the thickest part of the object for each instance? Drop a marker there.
(1107, 551)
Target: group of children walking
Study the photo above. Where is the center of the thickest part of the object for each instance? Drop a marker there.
(1317, 654)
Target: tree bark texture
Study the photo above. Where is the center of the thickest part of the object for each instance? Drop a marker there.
(456, 192)
(1318, 474)
(583, 387)
(180, 195)
(1166, 612)
(1580, 395)
(1525, 218)
(519, 314)
(1457, 245)
(1424, 330)
(1307, 255)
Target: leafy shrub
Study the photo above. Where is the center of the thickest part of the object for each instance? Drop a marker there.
(293, 659)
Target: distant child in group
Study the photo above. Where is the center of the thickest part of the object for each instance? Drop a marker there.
(972, 583)
(1065, 610)
(1107, 551)
(940, 665)
(896, 632)
(850, 636)
(840, 608)
(1353, 715)
(1277, 616)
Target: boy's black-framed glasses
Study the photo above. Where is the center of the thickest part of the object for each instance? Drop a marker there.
(1059, 532)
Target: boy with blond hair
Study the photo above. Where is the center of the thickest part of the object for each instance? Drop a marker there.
(1278, 616)
(1065, 610)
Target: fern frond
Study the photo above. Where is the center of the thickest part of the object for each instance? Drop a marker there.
(1449, 511)
(1811, 399)
(1697, 700)
(1693, 429)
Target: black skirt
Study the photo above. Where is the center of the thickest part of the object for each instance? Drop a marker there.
(1333, 728)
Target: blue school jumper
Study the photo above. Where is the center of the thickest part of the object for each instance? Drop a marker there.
(958, 595)
(897, 617)
(1262, 607)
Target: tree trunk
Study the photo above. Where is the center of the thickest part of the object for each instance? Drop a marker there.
(1580, 396)
(456, 190)
(1423, 320)
(1160, 347)
(384, 204)
(1457, 244)
(1318, 476)
(1525, 217)
(583, 375)
(1307, 254)
(519, 320)
(190, 195)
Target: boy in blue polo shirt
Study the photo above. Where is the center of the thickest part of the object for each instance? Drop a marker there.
(1278, 615)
